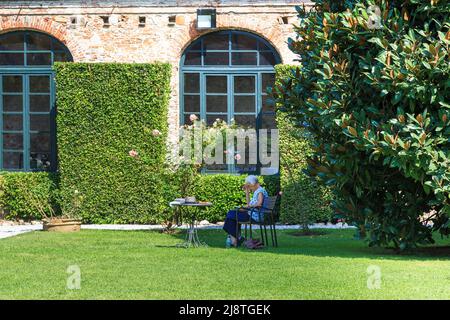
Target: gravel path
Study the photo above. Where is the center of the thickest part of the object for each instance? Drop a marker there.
(10, 231)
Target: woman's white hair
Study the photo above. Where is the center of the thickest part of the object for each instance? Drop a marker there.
(251, 180)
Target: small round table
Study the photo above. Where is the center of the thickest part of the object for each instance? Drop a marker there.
(192, 239)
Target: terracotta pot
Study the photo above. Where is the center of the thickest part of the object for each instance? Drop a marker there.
(62, 225)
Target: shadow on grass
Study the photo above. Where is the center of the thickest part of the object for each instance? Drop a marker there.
(329, 243)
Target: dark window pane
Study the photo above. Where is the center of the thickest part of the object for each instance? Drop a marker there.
(264, 46)
(12, 160)
(267, 58)
(217, 58)
(40, 103)
(12, 122)
(216, 103)
(61, 57)
(58, 46)
(216, 84)
(244, 58)
(244, 104)
(12, 41)
(39, 142)
(12, 84)
(13, 141)
(38, 41)
(268, 121)
(267, 103)
(248, 121)
(40, 161)
(243, 42)
(197, 45)
(244, 84)
(40, 122)
(246, 168)
(216, 167)
(193, 58)
(39, 59)
(211, 118)
(268, 80)
(11, 59)
(191, 103)
(40, 84)
(187, 120)
(216, 42)
(12, 103)
(248, 157)
(191, 83)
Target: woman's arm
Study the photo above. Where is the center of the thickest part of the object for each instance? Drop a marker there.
(258, 203)
(247, 197)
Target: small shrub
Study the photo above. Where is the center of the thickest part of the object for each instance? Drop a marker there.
(304, 201)
(15, 188)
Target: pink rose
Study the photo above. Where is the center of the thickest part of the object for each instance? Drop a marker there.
(156, 133)
(237, 157)
(193, 117)
(133, 153)
(280, 193)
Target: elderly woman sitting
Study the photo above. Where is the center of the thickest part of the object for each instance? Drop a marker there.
(258, 199)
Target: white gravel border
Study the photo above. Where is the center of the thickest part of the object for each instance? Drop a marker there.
(10, 231)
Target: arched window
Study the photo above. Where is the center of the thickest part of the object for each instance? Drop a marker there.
(225, 75)
(27, 122)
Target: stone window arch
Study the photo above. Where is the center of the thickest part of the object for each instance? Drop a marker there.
(27, 97)
(225, 75)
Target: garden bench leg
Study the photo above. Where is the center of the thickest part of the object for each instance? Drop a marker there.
(262, 234)
(275, 233)
(265, 234)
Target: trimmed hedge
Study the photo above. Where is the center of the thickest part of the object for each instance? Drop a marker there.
(224, 190)
(104, 111)
(303, 200)
(14, 204)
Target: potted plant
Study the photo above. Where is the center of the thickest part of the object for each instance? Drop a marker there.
(53, 217)
(69, 220)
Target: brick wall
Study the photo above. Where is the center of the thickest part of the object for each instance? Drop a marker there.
(80, 26)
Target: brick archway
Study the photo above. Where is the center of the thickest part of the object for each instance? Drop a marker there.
(44, 25)
(271, 33)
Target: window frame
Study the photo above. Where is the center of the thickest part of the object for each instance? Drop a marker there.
(230, 71)
(27, 71)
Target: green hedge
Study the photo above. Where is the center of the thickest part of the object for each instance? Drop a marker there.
(303, 200)
(13, 202)
(224, 190)
(104, 111)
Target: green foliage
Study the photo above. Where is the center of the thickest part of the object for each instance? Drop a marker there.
(104, 111)
(376, 101)
(14, 188)
(225, 192)
(304, 201)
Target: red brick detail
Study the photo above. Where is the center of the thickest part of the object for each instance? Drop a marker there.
(270, 32)
(41, 24)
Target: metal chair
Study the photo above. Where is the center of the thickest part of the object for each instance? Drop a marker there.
(267, 217)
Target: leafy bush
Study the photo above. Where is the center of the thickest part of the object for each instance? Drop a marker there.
(104, 112)
(376, 101)
(13, 200)
(224, 191)
(304, 201)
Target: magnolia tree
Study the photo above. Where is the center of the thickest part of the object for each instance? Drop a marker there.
(374, 87)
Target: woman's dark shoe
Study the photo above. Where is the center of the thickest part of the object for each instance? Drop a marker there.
(240, 241)
(254, 244)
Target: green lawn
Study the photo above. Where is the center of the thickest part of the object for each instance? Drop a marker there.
(144, 265)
